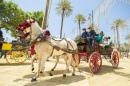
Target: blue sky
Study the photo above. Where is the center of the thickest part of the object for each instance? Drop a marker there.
(119, 10)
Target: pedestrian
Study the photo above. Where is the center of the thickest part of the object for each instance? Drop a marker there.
(1, 39)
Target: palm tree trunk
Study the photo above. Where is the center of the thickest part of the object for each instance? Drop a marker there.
(129, 45)
(61, 24)
(117, 29)
(115, 46)
(79, 28)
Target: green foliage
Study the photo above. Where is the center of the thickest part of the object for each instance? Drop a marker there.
(77, 37)
(127, 37)
(111, 43)
(11, 16)
(120, 23)
(64, 5)
(38, 15)
(80, 19)
(124, 47)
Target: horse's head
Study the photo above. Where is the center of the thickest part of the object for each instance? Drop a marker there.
(30, 28)
(24, 29)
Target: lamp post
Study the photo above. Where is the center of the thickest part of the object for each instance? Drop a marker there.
(92, 19)
(89, 21)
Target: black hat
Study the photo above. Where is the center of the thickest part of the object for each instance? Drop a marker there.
(84, 29)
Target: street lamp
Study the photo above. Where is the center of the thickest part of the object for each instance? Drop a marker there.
(89, 21)
(92, 19)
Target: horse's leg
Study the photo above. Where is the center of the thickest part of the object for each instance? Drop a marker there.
(57, 60)
(37, 74)
(32, 61)
(71, 61)
(77, 61)
(67, 68)
(42, 66)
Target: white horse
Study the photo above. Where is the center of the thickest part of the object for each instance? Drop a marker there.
(50, 47)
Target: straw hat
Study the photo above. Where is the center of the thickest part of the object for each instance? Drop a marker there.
(90, 27)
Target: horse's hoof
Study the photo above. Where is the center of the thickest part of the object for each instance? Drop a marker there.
(33, 79)
(32, 69)
(73, 74)
(64, 75)
(52, 69)
(41, 72)
(51, 74)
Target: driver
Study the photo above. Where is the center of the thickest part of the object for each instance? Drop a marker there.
(85, 34)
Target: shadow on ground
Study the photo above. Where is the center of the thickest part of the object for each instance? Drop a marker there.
(58, 80)
(7, 64)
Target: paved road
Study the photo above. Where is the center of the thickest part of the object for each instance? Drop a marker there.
(20, 75)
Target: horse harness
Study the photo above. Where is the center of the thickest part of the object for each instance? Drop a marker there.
(42, 38)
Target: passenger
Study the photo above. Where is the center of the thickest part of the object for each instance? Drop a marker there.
(85, 34)
(92, 34)
(101, 34)
(106, 42)
(99, 37)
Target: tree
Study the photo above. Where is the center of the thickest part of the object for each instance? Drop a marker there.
(12, 16)
(118, 24)
(64, 8)
(38, 15)
(77, 37)
(128, 38)
(80, 19)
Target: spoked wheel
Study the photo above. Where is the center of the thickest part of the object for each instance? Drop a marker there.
(95, 62)
(115, 58)
(15, 57)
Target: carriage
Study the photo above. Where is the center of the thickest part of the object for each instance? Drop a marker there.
(92, 54)
(14, 52)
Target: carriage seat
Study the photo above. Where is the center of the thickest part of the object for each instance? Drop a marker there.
(83, 45)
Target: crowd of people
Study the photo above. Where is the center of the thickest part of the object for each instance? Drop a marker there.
(91, 35)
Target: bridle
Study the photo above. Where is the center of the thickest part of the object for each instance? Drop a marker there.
(23, 30)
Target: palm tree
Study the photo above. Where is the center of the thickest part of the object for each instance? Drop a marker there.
(115, 44)
(64, 8)
(128, 38)
(119, 24)
(80, 19)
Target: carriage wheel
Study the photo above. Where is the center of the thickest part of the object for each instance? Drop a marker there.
(95, 62)
(9, 57)
(115, 58)
(14, 57)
